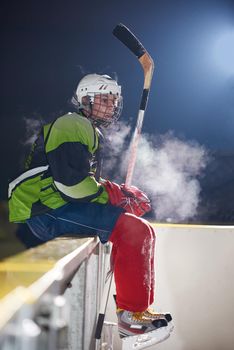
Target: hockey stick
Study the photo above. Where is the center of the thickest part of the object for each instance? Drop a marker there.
(128, 38)
(122, 33)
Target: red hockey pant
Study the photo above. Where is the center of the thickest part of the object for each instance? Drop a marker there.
(133, 262)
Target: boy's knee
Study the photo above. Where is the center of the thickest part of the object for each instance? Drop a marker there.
(132, 229)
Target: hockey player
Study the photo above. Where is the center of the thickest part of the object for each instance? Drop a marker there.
(61, 193)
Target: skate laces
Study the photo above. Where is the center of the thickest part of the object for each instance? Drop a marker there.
(150, 313)
(140, 316)
(153, 314)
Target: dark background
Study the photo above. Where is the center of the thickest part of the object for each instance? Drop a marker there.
(47, 46)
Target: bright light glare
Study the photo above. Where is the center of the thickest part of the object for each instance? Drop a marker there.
(224, 52)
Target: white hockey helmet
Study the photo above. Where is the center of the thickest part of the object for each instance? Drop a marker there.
(96, 84)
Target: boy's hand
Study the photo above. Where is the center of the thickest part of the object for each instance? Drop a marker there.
(129, 198)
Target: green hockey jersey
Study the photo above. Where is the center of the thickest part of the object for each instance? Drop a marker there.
(61, 167)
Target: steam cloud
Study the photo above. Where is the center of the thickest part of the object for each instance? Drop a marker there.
(167, 169)
(32, 127)
(115, 146)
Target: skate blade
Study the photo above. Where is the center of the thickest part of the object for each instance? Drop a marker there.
(143, 341)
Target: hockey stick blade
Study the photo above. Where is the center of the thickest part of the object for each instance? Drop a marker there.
(122, 33)
(129, 39)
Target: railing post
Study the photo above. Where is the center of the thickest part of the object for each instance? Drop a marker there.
(90, 301)
(104, 267)
(75, 298)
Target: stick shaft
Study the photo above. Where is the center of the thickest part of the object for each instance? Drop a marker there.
(133, 148)
(148, 68)
(102, 311)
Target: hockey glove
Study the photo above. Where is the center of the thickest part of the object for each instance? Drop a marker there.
(130, 198)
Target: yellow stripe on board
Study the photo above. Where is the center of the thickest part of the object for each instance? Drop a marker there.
(25, 268)
(188, 226)
(41, 266)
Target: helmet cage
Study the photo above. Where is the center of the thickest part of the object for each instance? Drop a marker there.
(104, 120)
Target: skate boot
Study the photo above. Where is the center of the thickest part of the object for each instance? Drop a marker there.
(138, 330)
(151, 314)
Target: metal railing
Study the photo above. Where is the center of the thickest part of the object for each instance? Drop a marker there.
(58, 311)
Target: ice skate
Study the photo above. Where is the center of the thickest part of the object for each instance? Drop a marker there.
(140, 330)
